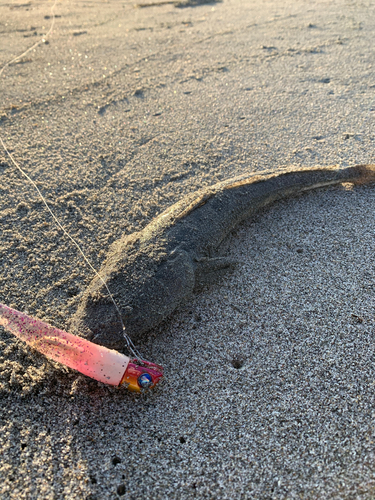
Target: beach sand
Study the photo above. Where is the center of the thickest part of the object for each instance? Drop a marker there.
(269, 376)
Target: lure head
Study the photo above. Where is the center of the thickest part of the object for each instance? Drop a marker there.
(141, 375)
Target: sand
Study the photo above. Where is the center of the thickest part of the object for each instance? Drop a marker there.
(269, 376)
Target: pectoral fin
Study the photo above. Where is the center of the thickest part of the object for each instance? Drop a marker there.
(212, 270)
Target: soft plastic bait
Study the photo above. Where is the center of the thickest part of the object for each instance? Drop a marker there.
(95, 361)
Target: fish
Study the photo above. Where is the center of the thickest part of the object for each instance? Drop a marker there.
(153, 272)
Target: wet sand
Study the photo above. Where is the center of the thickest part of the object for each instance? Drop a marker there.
(269, 386)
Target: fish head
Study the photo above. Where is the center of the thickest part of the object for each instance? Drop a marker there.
(144, 294)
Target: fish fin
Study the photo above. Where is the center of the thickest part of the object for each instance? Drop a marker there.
(211, 270)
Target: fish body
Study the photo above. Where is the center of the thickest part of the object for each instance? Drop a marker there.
(152, 272)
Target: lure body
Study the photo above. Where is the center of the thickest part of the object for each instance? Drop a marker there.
(95, 361)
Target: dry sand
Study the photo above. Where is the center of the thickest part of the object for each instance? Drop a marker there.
(124, 111)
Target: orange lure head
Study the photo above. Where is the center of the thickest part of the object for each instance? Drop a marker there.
(141, 375)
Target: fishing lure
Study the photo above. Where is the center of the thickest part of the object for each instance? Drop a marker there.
(95, 361)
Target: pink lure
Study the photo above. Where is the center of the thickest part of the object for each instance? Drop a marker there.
(95, 361)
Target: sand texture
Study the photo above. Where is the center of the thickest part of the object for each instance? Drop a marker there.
(269, 387)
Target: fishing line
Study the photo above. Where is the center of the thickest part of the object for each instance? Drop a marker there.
(128, 340)
(42, 40)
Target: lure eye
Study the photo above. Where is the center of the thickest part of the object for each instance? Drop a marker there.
(145, 381)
